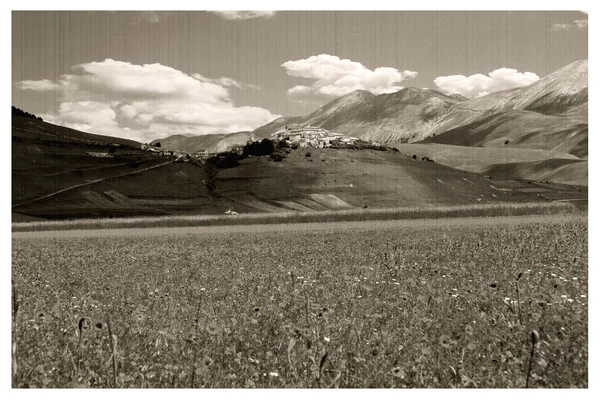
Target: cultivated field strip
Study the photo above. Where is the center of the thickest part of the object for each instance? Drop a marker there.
(480, 210)
(300, 227)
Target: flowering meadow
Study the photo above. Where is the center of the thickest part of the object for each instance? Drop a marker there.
(437, 305)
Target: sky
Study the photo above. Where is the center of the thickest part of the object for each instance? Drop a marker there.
(148, 75)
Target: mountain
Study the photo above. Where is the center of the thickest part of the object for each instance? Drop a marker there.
(549, 115)
(413, 114)
(212, 143)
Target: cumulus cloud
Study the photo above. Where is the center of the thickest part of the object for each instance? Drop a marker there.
(227, 82)
(336, 77)
(577, 24)
(237, 15)
(481, 85)
(45, 85)
(560, 27)
(144, 102)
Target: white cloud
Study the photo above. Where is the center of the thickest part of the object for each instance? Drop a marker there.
(237, 15)
(481, 85)
(577, 24)
(144, 102)
(227, 82)
(336, 77)
(560, 27)
(45, 85)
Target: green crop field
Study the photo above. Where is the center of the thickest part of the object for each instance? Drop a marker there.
(474, 302)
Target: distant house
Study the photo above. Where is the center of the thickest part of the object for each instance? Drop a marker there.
(200, 154)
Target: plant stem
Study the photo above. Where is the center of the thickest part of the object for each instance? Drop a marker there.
(519, 304)
(113, 348)
(530, 365)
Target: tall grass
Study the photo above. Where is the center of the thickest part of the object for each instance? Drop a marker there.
(484, 210)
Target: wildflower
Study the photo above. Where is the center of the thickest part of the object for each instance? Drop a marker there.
(213, 329)
(273, 374)
(207, 361)
(582, 295)
(326, 339)
(444, 341)
(469, 330)
(398, 372)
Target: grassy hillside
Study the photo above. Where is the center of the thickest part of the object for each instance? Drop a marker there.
(330, 179)
(47, 158)
(336, 179)
(523, 129)
(504, 161)
(571, 172)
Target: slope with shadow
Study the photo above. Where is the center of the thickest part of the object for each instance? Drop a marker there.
(570, 172)
(507, 162)
(174, 188)
(47, 158)
(522, 129)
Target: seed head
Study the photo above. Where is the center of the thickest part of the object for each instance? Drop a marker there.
(535, 337)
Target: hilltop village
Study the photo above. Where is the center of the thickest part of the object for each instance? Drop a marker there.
(295, 135)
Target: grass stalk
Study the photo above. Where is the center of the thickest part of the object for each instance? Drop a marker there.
(535, 337)
(113, 348)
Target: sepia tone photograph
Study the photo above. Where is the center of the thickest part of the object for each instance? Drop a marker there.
(299, 199)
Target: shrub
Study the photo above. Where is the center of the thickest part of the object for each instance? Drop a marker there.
(295, 146)
(414, 157)
(278, 156)
(506, 142)
(308, 155)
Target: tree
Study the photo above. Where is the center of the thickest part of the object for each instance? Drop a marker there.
(157, 144)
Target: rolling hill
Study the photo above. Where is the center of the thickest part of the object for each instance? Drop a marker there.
(47, 158)
(328, 180)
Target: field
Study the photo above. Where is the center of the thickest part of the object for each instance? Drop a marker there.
(294, 217)
(471, 302)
